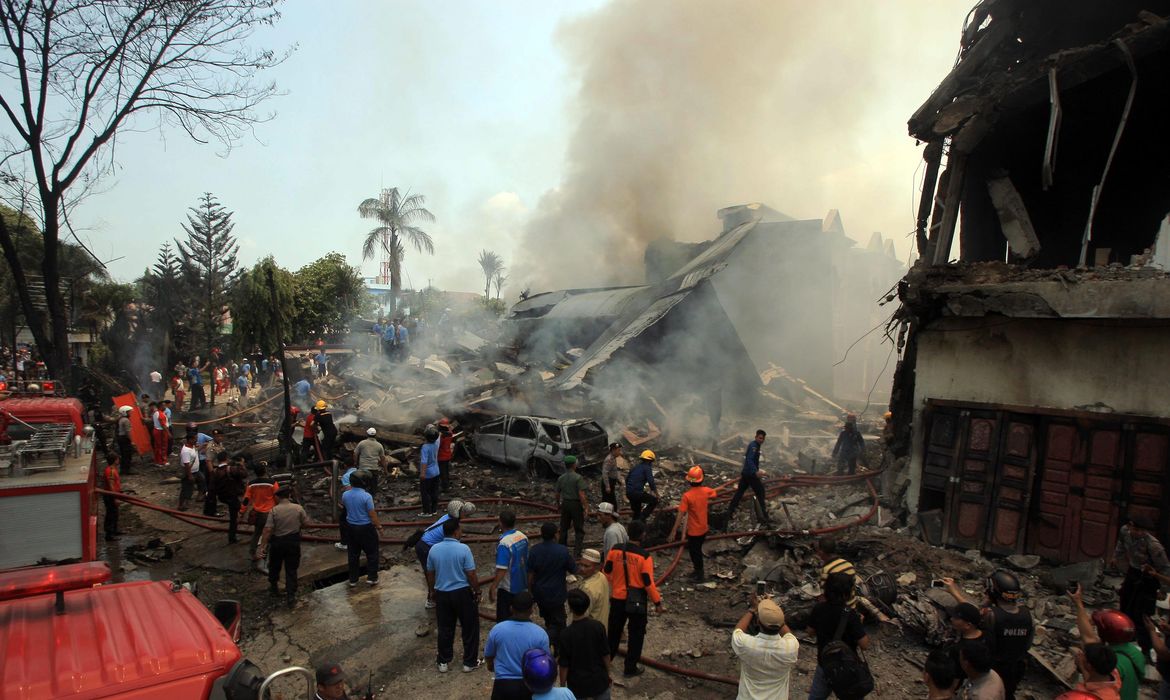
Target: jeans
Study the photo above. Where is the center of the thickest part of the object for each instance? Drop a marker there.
(819, 690)
(573, 512)
(186, 489)
(695, 547)
(457, 606)
(1010, 672)
(510, 689)
(641, 500)
(429, 489)
(233, 505)
(257, 529)
(637, 634)
(445, 474)
(362, 538)
(111, 522)
(126, 454)
(1139, 598)
(503, 605)
(284, 551)
(846, 465)
(554, 618)
(757, 487)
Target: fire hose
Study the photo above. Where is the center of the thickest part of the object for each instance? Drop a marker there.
(773, 487)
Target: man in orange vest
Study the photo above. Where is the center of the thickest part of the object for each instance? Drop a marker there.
(259, 498)
(111, 480)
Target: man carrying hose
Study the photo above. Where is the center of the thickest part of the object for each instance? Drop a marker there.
(693, 509)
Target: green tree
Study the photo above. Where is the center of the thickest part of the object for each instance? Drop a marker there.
(329, 294)
(396, 215)
(492, 265)
(161, 288)
(208, 261)
(76, 73)
(256, 315)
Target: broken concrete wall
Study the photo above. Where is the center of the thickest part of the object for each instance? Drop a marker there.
(1099, 365)
(862, 277)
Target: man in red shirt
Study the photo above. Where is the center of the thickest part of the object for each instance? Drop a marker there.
(446, 452)
(309, 451)
(693, 509)
(111, 480)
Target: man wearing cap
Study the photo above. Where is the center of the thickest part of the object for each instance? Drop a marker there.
(766, 660)
(693, 508)
(331, 682)
(511, 565)
(282, 536)
(446, 452)
(432, 535)
(369, 453)
(641, 478)
(505, 648)
(594, 585)
(122, 437)
(611, 474)
(573, 504)
(615, 532)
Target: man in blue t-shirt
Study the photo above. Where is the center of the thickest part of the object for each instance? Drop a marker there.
(451, 572)
(548, 562)
(511, 565)
(428, 471)
(363, 530)
(749, 477)
(506, 645)
(433, 534)
(198, 398)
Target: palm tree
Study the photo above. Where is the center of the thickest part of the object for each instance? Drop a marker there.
(501, 278)
(396, 214)
(492, 265)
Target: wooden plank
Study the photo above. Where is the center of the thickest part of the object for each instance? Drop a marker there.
(712, 457)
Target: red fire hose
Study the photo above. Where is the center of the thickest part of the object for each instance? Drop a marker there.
(773, 488)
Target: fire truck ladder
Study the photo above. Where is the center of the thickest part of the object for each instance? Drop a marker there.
(46, 449)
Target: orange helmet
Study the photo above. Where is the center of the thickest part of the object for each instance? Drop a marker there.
(1077, 695)
(1114, 626)
(695, 475)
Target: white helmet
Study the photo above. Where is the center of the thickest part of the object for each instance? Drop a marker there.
(124, 409)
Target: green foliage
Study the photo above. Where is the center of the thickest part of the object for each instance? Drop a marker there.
(329, 294)
(259, 317)
(396, 214)
(207, 259)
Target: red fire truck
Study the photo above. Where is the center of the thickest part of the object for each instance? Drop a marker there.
(65, 631)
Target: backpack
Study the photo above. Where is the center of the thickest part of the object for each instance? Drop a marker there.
(846, 673)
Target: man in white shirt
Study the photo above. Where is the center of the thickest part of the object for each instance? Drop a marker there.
(189, 471)
(156, 385)
(766, 660)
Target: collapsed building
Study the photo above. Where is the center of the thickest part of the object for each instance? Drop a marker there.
(769, 296)
(1029, 401)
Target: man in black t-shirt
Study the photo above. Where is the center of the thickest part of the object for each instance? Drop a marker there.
(824, 621)
(583, 652)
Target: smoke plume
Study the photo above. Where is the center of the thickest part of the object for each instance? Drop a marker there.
(686, 106)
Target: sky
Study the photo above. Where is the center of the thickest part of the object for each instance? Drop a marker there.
(480, 106)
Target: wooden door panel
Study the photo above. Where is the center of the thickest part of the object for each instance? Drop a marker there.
(1012, 496)
(1050, 521)
(971, 500)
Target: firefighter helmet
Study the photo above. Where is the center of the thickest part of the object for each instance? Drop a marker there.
(695, 475)
(647, 455)
(1114, 626)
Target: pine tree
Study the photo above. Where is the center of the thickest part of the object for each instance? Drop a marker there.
(209, 267)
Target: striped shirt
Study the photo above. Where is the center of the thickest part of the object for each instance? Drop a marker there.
(840, 566)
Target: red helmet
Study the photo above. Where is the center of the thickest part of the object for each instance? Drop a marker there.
(695, 475)
(1077, 695)
(1114, 626)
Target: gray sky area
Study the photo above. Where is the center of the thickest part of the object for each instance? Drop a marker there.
(513, 117)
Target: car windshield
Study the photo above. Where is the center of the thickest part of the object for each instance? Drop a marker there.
(584, 431)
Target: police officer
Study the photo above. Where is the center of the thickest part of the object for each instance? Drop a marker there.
(282, 536)
(1007, 626)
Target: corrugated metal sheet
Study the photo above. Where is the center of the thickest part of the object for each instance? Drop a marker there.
(593, 304)
(110, 639)
(24, 538)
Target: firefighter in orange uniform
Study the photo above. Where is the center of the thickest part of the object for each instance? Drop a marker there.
(111, 480)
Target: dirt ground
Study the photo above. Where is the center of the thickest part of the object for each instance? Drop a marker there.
(385, 638)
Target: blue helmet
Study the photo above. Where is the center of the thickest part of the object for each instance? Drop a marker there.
(539, 669)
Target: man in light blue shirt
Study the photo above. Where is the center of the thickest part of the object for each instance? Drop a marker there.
(363, 530)
(511, 565)
(428, 471)
(506, 644)
(456, 509)
(451, 572)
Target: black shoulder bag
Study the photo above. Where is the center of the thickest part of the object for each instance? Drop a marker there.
(635, 597)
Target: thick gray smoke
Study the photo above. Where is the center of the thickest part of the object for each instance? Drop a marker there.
(686, 106)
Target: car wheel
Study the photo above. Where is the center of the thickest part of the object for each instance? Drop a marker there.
(538, 468)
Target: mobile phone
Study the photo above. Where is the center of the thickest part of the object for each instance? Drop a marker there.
(761, 588)
(937, 583)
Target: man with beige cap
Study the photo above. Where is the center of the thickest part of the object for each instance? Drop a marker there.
(766, 660)
(594, 584)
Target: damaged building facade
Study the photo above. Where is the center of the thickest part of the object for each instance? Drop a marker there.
(1030, 400)
(717, 320)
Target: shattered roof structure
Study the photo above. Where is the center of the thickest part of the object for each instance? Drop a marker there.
(1052, 123)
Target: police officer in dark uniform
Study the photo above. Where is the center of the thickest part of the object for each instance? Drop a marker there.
(1007, 627)
(282, 535)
